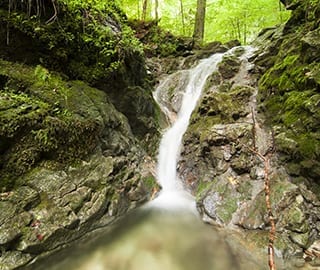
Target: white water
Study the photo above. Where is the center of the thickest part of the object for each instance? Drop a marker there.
(173, 195)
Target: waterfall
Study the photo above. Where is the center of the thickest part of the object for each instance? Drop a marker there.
(173, 195)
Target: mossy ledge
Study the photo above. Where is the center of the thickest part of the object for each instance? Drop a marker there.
(44, 117)
(289, 89)
(86, 40)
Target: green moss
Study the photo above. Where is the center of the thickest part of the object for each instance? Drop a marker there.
(91, 40)
(156, 41)
(217, 108)
(288, 92)
(203, 188)
(229, 66)
(150, 182)
(294, 108)
(44, 117)
(226, 210)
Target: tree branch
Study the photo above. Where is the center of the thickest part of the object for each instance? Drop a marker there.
(54, 17)
(266, 162)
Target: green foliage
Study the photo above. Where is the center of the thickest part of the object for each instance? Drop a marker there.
(242, 19)
(41, 73)
(86, 40)
(225, 19)
(150, 182)
(155, 40)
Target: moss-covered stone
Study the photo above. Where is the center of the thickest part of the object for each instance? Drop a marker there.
(43, 116)
(229, 66)
(289, 89)
(90, 41)
(86, 41)
(220, 107)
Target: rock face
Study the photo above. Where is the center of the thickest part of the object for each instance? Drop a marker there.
(69, 163)
(88, 42)
(220, 164)
(289, 89)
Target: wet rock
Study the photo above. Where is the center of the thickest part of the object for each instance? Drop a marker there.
(100, 174)
(295, 54)
(297, 220)
(229, 66)
(7, 211)
(300, 239)
(48, 181)
(286, 144)
(223, 163)
(309, 196)
(76, 199)
(232, 43)
(291, 4)
(63, 205)
(10, 259)
(10, 232)
(242, 163)
(312, 38)
(172, 91)
(25, 197)
(255, 218)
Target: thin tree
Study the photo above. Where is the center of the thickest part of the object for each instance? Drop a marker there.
(156, 8)
(138, 8)
(182, 17)
(198, 32)
(144, 10)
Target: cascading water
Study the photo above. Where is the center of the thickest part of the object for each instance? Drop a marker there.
(151, 239)
(173, 195)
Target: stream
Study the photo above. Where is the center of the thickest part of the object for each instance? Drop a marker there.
(167, 232)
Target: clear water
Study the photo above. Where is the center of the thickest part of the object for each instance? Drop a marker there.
(147, 240)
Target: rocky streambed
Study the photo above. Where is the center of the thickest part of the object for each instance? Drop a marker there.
(63, 191)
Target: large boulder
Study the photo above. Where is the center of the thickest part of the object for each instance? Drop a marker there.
(69, 162)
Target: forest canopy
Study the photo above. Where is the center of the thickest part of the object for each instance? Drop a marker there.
(224, 20)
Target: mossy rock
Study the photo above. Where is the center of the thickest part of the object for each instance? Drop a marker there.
(86, 41)
(289, 90)
(229, 66)
(218, 108)
(43, 116)
(90, 41)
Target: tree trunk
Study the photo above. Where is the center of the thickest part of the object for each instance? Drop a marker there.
(156, 3)
(182, 17)
(138, 8)
(198, 33)
(144, 10)
(245, 28)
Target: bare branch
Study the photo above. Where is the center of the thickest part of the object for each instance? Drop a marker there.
(54, 17)
(266, 162)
